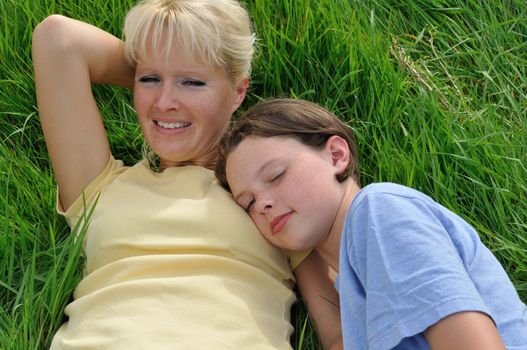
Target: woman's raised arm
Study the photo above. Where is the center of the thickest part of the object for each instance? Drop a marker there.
(69, 56)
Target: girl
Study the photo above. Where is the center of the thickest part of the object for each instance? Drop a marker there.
(412, 274)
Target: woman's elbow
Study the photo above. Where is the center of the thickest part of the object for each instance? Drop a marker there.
(52, 35)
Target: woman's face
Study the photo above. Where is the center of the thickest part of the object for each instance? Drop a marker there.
(184, 107)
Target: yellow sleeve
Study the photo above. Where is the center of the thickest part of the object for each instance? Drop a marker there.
(296, 257)
(90, 193)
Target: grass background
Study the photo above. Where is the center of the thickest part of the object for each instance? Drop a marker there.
(435, 90)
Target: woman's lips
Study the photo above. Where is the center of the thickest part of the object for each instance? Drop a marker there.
(171, 127)
(278, 223)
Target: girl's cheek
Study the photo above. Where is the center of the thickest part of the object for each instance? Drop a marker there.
(260, 226)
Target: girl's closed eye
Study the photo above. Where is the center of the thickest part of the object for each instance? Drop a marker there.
(249, 205)
(277, 176)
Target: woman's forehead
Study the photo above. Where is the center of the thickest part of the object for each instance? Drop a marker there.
(166, 43)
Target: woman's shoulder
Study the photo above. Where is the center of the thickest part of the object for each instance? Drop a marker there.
(111, 171)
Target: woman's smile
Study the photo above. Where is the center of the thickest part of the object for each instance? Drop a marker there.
(171, 127)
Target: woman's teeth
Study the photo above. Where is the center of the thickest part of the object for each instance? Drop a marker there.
(172, 125)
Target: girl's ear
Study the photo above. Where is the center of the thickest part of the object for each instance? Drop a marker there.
(339, 152)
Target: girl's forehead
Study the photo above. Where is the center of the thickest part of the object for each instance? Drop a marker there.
(256, 151)
(277, 142)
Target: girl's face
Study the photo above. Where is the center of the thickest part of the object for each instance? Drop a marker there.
(184, 107)
(289, 189)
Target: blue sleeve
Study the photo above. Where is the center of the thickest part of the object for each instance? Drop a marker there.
(409, 267)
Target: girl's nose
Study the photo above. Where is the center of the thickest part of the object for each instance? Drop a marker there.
(264, 203)
(168, 98)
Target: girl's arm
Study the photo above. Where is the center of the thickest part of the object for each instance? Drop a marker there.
(464, 331)
(68, 56)
(322, 300)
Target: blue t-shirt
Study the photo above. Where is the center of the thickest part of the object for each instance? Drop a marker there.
(406, 262)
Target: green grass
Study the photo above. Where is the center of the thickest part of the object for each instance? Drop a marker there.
(436, 92)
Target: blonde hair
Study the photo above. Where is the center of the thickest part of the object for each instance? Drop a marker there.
(217, 32)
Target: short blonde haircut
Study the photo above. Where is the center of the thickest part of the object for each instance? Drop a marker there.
(217, 32)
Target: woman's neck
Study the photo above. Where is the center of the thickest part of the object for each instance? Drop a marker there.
(206, 162)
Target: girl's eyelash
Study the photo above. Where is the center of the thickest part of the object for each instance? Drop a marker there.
(278, 176)
(250, 205)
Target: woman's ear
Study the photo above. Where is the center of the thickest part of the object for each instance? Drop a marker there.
(240, 89)
(339, 152)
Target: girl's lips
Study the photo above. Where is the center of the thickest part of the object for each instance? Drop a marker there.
(278, 223)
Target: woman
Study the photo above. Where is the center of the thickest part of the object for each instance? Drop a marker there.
(171, 261)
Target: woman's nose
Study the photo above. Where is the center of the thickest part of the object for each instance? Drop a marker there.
(168, 98)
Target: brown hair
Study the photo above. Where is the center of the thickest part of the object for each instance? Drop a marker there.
(306, 121)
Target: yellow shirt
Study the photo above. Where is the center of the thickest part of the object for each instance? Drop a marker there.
(174, 263)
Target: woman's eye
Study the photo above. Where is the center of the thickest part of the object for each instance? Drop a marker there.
(149, 79)
(192, 82)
